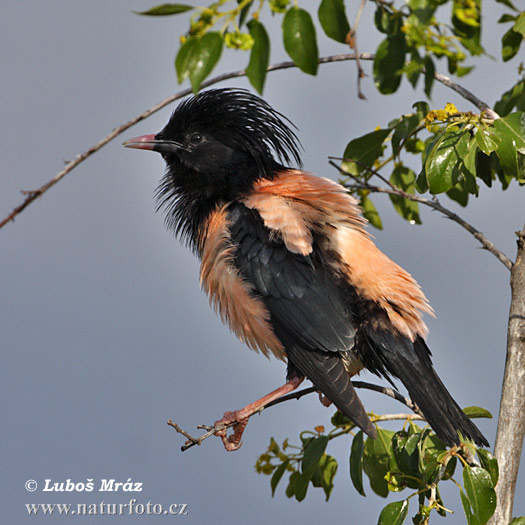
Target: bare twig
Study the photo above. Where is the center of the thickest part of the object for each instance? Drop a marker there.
(398, 417)
(390, 392)
(387, 391)
(32, 195)
(352, 42)
(466, 94)
(432, 203)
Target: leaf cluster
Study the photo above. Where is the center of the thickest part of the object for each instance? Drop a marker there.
(458, 152)
(413, 37)
(413, 459)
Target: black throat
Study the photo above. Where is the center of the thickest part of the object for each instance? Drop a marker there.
(187, 198)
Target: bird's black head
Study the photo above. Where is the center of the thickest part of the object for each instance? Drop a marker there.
(216, 145)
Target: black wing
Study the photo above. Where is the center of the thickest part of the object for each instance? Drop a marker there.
(308, 312)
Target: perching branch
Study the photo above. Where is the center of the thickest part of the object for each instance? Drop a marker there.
(432, 203)
(387, 391)
(32, 195)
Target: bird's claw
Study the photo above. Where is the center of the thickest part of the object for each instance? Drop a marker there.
(232, 442)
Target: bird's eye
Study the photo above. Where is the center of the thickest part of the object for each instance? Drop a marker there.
(195, 139)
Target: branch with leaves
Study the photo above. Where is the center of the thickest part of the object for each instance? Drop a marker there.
(365, 185)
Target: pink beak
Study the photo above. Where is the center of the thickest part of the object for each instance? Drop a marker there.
(143, 142)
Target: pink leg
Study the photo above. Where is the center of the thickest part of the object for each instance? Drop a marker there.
(324, 400)
(240, 417)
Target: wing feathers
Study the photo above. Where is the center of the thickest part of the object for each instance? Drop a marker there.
(327, 372)
(296, 203)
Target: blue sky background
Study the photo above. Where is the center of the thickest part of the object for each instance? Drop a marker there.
(105, 334)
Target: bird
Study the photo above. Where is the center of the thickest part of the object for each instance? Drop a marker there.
(288, 264)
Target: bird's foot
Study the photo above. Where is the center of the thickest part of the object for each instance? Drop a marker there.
(324, 400)
(232, 442)
(239, 419)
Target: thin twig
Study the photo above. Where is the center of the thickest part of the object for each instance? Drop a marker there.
(398, 417)
(390, 392)
(432, 203)
(387, 391)
(32, 195)
(352, 42)
(466, 94)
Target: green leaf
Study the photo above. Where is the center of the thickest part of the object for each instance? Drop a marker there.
(405, 179)
(422, 108)
(485, 140)
(328, 468)
(509, 134)
(490, 464)
(506, 18)
(430, 71)
(389, 62)
(197, 57)
(512, 128)
(339, 420)
(300, 40)
(292, 484)
(406, 454)
(313, 452)
(303, 480)
(518, 521)
(469, 160)
(442, 161)
(513, 98)
(356, 463)
(166, 9)
(244, 13)
(277, 475)
(383, 18)
(484, 168)
(376, 460)
(459, 194)
(477, 412)
(510, 44)
(471, 518)
(403, 129)
(364, 150)
(186, 57)
(508, 3)
(466, 21)
(508, 158)
(259, 56)
(370, 212)
(480, 492)
(423, 10)
(421, 182)
(333, 19)
(394, 513)
(414, 68)
(210, 50)
(519, 26)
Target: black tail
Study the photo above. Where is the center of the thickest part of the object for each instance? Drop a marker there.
(387, 354)
(327, 372)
